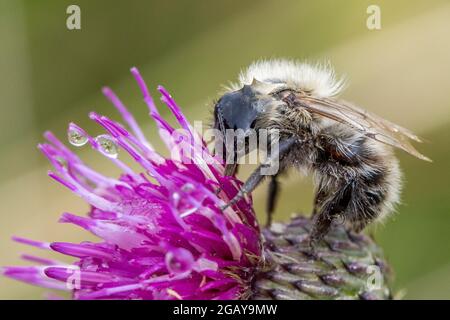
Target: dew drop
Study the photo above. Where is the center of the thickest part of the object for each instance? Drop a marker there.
(62, 161)
(76, 137)
(188, 187)
(179, 261)
(107, 146)
(176, 199)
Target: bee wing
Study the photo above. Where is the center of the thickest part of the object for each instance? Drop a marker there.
(367, 123)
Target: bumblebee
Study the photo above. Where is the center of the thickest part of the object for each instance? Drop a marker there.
(348, 150)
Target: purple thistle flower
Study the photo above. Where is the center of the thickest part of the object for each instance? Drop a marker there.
(163, 235)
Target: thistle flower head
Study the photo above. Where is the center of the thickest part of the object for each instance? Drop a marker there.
(162, 232)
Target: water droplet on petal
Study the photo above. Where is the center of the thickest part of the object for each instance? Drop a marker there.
(176, 198)
(179, 260)
(76, 137)
(62, 161)
(187, 187)
(107, 146)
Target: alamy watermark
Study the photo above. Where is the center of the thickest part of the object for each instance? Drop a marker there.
(375, 279)
(73, 21)
(73, 281)
(373, 21)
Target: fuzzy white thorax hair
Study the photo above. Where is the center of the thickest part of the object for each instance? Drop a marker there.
(318, 79)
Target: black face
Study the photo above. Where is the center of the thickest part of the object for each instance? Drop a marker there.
(235, 110)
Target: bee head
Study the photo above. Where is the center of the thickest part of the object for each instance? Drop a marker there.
(237, 112)
(240, 109)
(237, 109)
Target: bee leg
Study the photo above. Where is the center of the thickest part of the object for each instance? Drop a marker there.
(260, 173)
(318, 198)
(272, 199)
(328, 212)
(231, 169)
(321, 226)
(252, 182)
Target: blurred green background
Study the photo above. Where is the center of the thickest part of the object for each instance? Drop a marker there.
(50, 75)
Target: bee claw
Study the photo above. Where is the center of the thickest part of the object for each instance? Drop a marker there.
(217, 191)
(312, 246)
